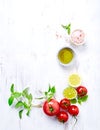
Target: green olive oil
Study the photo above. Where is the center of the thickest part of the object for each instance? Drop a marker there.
(65, 55)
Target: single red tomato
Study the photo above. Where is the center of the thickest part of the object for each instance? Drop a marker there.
(73, 110)
(62, 116)
(81, 91)
(51, 107)
(65, 103)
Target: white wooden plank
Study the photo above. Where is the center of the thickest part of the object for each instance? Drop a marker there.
(28, 50)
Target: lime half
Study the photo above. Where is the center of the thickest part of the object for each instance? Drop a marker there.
(74, 80)
(70, 93)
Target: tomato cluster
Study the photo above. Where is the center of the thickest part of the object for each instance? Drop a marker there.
(64, 108)
(60, 109)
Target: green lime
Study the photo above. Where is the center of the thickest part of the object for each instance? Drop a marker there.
(70, 93)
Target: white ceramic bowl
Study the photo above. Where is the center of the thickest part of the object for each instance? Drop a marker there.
(77, 37)
(73, 58)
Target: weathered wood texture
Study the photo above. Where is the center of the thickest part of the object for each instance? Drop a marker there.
(28, 50)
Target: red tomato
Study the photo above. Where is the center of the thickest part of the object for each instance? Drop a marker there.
(62, 116)
(81, 91)
(51, 107)
(65, 103)
(73, 110)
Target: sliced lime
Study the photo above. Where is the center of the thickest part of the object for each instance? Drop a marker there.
(70, 93)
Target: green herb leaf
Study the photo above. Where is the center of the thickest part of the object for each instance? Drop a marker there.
(25, 91)
(10, 100)
(20, 114)
(65, 27)
(26, 105)
(49, 89)
(30, 97)
(53, 90)
(12, 88)
(68, 28)
(45, 93)
(16, 94)
(28, 113)
(73, 101)
(84, 98)
(68, 31)
(80, 102)
(19, 104)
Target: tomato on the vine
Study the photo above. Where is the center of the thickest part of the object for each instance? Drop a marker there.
(81, 91)
(62, 116)
(51, 108)
(65, 103)
(73, 110)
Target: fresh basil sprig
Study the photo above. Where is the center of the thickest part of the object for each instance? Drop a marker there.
(22, 100)
(68, 28)
(79, 99)
(50, 93)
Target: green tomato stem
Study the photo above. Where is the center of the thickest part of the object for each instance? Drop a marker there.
(74, 122)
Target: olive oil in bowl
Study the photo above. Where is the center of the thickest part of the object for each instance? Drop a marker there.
(66, 56)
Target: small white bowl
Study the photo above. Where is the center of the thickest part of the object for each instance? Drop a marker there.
(71, 61)
(77, 37)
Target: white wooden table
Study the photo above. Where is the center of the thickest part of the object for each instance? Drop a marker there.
(28, 49)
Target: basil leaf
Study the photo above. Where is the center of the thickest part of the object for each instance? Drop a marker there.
(68, 31)
(45, 93)
(28, 113)
(16, 94)
(25, 91)
(19, 104)
(49, 89)
(12, 88)
(10, 100)
(79, 101)
(69, 25)
(65, 27)
(25, 105)
(53, 90)
(20, 114)
(30, 97)
(84, 98)
(73, 101)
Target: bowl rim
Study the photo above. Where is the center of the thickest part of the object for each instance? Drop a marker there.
(73, 59)
(75, 42)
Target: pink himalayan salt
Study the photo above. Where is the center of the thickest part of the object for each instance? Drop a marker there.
(77, 37)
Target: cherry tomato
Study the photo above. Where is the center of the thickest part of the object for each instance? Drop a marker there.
(73, 110)
(62, 116)
(65, 103)
(51, 107)
(81, 91)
